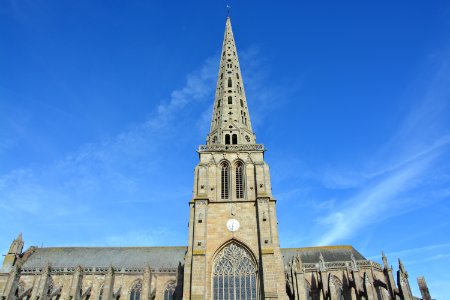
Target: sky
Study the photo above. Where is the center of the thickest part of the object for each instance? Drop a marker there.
(104, 103)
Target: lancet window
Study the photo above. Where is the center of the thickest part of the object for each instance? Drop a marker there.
(230, 82)
(234, 274)
(225, 180)
(136, 290)
(239, 180)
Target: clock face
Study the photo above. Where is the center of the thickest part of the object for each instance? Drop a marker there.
(232, 224)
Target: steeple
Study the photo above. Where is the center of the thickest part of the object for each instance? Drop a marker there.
(230, 122)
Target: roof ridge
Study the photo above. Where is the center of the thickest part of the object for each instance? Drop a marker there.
(112, 247)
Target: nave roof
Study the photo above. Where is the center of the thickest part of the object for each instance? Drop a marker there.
(161, 257)
(156, 257)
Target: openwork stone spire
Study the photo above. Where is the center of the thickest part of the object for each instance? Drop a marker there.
(230, 122)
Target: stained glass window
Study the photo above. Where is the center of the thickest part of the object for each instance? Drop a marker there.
(234, 275)
(169, 291)
(100, 294)
(135, 293)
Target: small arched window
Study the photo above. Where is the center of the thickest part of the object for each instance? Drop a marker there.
(218, 103)
(308, 291)
(169, 291)
(20, 289)
(382, 293)
(50, 287)
(227, 139)
(230, 100)
(136, 290)
(230, 84)
(239, 180)
(225, 180)
(341, 293)
(100, 294)
(237, 75)
(242, 103)
(234, 139)
(221, 76)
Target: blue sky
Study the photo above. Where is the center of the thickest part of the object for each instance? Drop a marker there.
(103, 103)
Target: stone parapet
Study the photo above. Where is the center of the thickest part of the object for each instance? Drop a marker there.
(231, 148)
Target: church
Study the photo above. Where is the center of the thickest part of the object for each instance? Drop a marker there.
(233, 249)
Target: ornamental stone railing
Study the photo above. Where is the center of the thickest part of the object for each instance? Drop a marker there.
(97, 270)
(343, 264)
(231, 148)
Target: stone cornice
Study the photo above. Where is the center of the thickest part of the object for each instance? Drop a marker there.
(231, 148)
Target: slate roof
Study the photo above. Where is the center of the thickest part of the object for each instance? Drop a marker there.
(330, 254)
(156, 257)
(160, 257)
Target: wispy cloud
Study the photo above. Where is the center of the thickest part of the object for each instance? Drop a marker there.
(400, 167)
(112, 165)
(371, 203)
(414, 251)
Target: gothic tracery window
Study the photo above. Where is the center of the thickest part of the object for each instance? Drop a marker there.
(169, 291)
(239, 180)
(135, 293)
(234, 274)
(225, 180)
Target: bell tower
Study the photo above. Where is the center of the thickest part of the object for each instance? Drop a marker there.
(233, 247)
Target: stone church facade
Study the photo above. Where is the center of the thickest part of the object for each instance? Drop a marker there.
(233, 249)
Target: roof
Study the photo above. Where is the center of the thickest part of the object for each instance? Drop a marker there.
(156, 257)
(330, 254)
(160, 257)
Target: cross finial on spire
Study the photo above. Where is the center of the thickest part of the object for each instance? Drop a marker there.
(228, 10)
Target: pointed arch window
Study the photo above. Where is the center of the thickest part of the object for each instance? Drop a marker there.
(230, 83)
(308, 295)
(234, 274)
(227, 139)
(100, 294)
(225, 180)
(242, 103)
(169, 291)
(136, 290)
(230, 100)
(239, 180)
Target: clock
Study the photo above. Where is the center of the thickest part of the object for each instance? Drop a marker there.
(232, 225)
